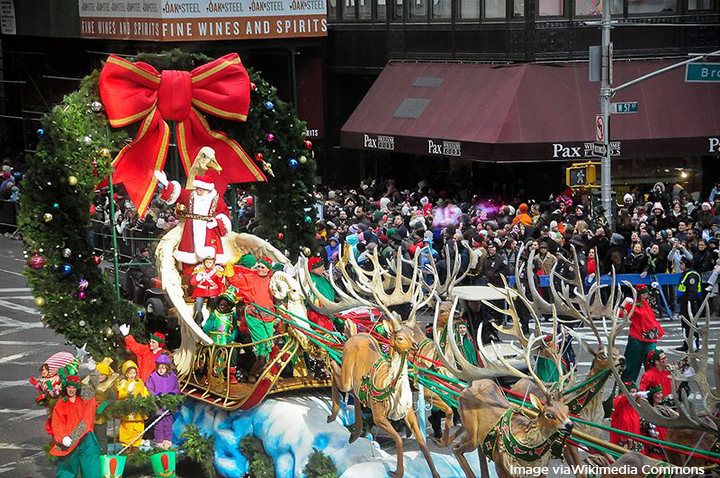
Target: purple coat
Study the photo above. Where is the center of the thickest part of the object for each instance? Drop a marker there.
(159, 384)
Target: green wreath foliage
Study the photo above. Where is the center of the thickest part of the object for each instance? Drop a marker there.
(319, 465)
(260, 464)
(79, 143)
(199, 448)
(144, 405)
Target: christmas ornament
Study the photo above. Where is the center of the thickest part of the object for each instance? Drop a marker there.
(302, 159)
(47, 217)
(105, 153)
(39, 301)
(308, 219)
(253, 87)
(66, 269)
(83, 284)
(271, 137)
(108, 332)
(308, 144)
(87, 140)
(94, 163)
(259, 157)
(81, 295)
(306, 251)
(72, 180)
(56, 205)
(96, 106)
(66, 253)
(269, 105)
(81, 323)
(141, 313)
(281, 236)
(37, 261)
(292, 162)
(40, 133)
(96, 260)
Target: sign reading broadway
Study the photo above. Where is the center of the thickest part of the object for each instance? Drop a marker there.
(159, 20)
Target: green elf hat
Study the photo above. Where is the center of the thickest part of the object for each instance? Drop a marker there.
(266, 261)
(158, 337)
(653, 391)
(652, 356)
(248, 261)
(630, 385)
(71, 380)
(230, 295)
(277, 267)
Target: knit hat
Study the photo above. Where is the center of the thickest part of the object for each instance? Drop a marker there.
(706, 206)
(657, 205)
(314, 263)
(627, 198)
(159, 337)
(641, 288)
(163, 359)
(266, 261)
(248, 261)
(652, 392)
(523, 208)
(630, 385)
(203, 182)
(73, 380)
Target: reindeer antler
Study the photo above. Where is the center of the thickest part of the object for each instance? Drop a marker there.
(453, 276)
(327, 307)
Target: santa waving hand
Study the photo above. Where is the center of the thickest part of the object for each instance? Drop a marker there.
(207, 219)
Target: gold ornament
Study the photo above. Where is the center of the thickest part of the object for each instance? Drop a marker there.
(47, 217)
(39, 301)
(72, 180)
(302, 159)
(307, 252)
(105, 153)
(108, 332)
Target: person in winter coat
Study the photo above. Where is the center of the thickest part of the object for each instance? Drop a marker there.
(658, 195)
(705, 215)
(615, 256)
(522, 216)
(703, 260)
(636, 262)
(163, 381)
(657, 219)
(495, 266)
(132, 426)
(146, 354)
(624, 417)
(656, 261)
(645, 331)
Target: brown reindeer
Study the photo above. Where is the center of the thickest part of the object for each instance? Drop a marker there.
(377, 382)
(500, 432)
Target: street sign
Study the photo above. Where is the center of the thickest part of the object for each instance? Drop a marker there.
(624, 108)
(702, 73)
(599, 150)
(599, 128)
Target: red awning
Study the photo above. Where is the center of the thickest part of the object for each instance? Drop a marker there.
(531, 112)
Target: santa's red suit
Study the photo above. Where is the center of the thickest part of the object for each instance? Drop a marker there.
(207, 220)
(208, 282)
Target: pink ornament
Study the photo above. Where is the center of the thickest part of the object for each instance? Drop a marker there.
(271, 137)
(81, 295)
(37, 261)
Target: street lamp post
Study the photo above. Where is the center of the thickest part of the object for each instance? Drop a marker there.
(605, 96)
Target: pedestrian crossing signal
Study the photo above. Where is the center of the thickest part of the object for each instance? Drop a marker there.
(582, 175)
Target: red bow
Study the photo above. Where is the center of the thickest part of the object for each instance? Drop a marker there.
(136, 91)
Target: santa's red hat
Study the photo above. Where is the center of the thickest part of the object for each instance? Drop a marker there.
(203, 182)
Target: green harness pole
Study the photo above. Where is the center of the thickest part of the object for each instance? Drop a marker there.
(114, 235)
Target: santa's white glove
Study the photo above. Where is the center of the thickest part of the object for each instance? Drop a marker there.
(655, 285)
(212, 223)
(162, 178)
(124, 329)
(643, 394)
(66, 442)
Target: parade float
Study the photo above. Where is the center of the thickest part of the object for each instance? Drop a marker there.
(295, 363)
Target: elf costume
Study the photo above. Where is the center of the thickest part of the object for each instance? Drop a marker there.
(644, 334)
(49, 383)
(220, 326)
(325, 288)
(545, 367)
(654, 431)
(624, 417)
(253, 288)
(75, 444)
(466, 345)
(158, 384)
(104, 396)
(654, 376)
(132, 426)
(146, 357)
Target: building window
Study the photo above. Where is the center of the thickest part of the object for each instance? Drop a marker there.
(365, 9)
(441, 9)
(418, 9)
(652, 6)
(594, 7)
(348, 11)
(332, 9)
(552, 8)
(399, 5)
(381, 9)
(496, 8)
(518, 8)
(469, 9)
(701, 4)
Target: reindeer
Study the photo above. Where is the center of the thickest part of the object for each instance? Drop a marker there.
(687, 426)
(377, 382)
(499, 431)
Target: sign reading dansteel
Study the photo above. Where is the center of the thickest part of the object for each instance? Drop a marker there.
(159, 20)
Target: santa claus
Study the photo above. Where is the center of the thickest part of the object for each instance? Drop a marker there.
(206, 219)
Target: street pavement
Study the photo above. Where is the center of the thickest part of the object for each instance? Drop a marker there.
(25, 344)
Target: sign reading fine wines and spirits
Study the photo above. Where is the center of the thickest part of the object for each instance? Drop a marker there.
(159, 20)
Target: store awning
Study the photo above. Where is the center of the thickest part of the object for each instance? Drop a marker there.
(531, 112)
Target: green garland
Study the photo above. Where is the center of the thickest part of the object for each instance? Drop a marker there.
(144, 405)
(199, 448)
(75, 154)
(260, 464)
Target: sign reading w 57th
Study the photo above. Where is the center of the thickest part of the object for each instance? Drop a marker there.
(158, 20)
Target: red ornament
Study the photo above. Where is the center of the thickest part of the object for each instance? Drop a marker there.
(81, 295)
(281, 236)
(259, 157)
(308, 144)
(96, 260)
(37, 261)
(253, 86)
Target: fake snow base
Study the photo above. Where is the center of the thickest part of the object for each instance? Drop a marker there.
(291, 426)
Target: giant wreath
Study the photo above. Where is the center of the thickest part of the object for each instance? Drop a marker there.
(78, 144)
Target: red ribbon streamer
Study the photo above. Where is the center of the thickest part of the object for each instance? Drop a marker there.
(136, 91)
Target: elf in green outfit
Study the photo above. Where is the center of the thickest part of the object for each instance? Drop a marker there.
(221, 325)
(466, 343)
(545, 367)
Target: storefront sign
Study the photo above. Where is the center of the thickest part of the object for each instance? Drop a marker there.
(379, 142)
(200, 20)
(444, 148)
(714, 145)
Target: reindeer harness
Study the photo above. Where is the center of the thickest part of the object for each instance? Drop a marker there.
(596, 384)
(512, 446)
(368, 392)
